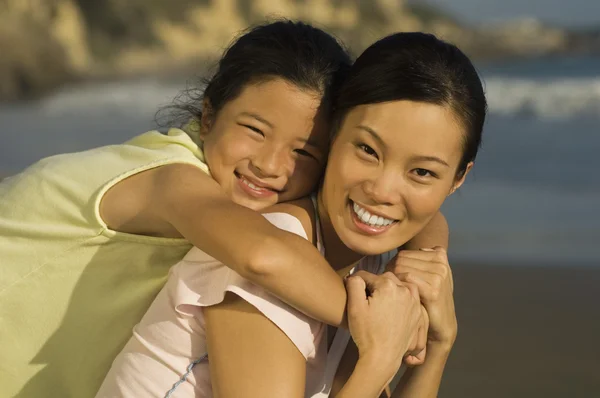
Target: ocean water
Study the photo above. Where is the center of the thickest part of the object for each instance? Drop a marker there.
(532, 198)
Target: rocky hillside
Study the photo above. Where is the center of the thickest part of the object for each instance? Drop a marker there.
(45, 43)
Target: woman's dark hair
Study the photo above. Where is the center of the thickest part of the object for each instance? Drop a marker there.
(418, 67)
(303, 55)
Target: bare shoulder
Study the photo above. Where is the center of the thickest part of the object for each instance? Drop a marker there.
(181, 177)
(303, 210)
(134, 204)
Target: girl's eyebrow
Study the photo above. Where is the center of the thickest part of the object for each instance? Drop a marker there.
(310, 141)
(257, 117)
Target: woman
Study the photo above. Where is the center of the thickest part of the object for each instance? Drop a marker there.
(410, 118)
(408, 124)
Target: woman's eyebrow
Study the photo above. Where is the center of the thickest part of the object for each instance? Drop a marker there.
(431, 159)
(373, 133)
(257, 117)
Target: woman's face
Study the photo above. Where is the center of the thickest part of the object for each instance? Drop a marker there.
(390, 168)
(267, 145)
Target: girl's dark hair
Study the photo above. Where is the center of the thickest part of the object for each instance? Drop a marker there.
(303, 55)
(418, 67)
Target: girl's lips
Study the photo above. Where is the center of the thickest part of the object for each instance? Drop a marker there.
(254, 191)
(366, 228)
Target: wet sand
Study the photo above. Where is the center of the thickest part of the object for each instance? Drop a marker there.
(525, 331)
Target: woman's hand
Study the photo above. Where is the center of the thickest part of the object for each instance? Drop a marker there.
(429, 271)
(383, 317)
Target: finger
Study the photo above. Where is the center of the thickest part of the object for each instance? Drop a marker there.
(420, 282)
(391, 276)
(439, 268)
(357, 296)
(437, 254)
(366, 276)
(423, 332)
(379, 284)
(415, 360)
(421, 254)
(421, 336)
(414, 290)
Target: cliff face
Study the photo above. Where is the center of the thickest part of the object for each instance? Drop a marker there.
(42, 42)
(46, 42)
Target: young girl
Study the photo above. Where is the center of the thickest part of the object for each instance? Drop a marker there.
(408, 124)
(88, 238)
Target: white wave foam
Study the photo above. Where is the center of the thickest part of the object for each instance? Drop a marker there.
(144, 96)
(546, 99)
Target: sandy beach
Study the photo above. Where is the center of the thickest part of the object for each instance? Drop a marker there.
(525, 331)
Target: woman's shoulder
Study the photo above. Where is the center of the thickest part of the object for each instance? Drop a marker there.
(300, 212)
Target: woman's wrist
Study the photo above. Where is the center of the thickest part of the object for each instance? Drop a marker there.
(382, 366)
(369, 378)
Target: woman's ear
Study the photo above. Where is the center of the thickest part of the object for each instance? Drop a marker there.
(207, 118)
(460, 180)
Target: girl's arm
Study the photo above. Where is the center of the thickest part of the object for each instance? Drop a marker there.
(435, 233)
(181, 200)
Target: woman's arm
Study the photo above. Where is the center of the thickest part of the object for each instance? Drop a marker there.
(383, 317)
(429, 272)
(424, 381)
(249, 356)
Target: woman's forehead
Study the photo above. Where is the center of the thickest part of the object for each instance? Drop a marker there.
(404, 125)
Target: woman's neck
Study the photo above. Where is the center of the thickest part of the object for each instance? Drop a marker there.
(336, 252)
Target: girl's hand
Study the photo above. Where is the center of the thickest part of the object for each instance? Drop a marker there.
(429, 271)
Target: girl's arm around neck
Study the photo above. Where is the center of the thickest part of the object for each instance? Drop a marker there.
(435, 233)
(283, 263)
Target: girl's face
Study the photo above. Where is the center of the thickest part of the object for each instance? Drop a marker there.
(267, 145)
(391, 167)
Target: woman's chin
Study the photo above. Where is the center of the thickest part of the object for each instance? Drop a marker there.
(367, 246)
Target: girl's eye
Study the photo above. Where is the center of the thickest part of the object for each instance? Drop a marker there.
(368, 150)
(254, 129)
(303, 152)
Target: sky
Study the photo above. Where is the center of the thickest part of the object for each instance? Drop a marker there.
(571, 13)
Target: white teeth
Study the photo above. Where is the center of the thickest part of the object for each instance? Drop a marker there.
(369, 218)
(245, 181)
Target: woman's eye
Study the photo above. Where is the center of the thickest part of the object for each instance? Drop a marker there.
(368, 150)
(424, 173)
